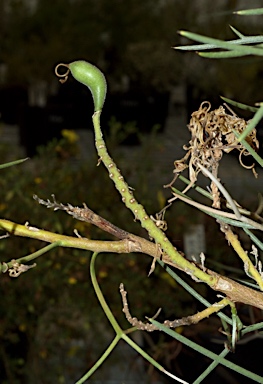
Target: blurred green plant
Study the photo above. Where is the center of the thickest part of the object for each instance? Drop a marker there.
(213, 133)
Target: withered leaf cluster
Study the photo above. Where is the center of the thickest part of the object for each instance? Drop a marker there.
(212, 133)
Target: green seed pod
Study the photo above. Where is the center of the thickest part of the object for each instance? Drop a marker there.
(93, 78)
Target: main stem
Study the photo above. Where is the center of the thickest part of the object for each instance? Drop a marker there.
(139, 212)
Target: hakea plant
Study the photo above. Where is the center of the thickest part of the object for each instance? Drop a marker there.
(212, 134)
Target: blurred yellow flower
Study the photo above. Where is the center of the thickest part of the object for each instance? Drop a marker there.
(83, 260)
(72, 280)
(103, 273)
(70, 135)
(22, 327)
(38, 180)
(43, 353)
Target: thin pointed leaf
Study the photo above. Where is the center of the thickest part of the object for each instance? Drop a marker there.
(239, 34)
(196, 187)
(195, 47)
(252, 328)
(246, 50)
(249, 12)
(239, 105)
(222, 54)
(244, 40)
(11, 163)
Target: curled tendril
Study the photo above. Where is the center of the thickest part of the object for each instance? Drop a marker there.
(244, 152)
(64, 76)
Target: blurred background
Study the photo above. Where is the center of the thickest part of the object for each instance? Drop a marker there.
(51, 327)
(132, 43)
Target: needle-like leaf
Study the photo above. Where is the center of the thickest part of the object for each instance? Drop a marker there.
(250, 12)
